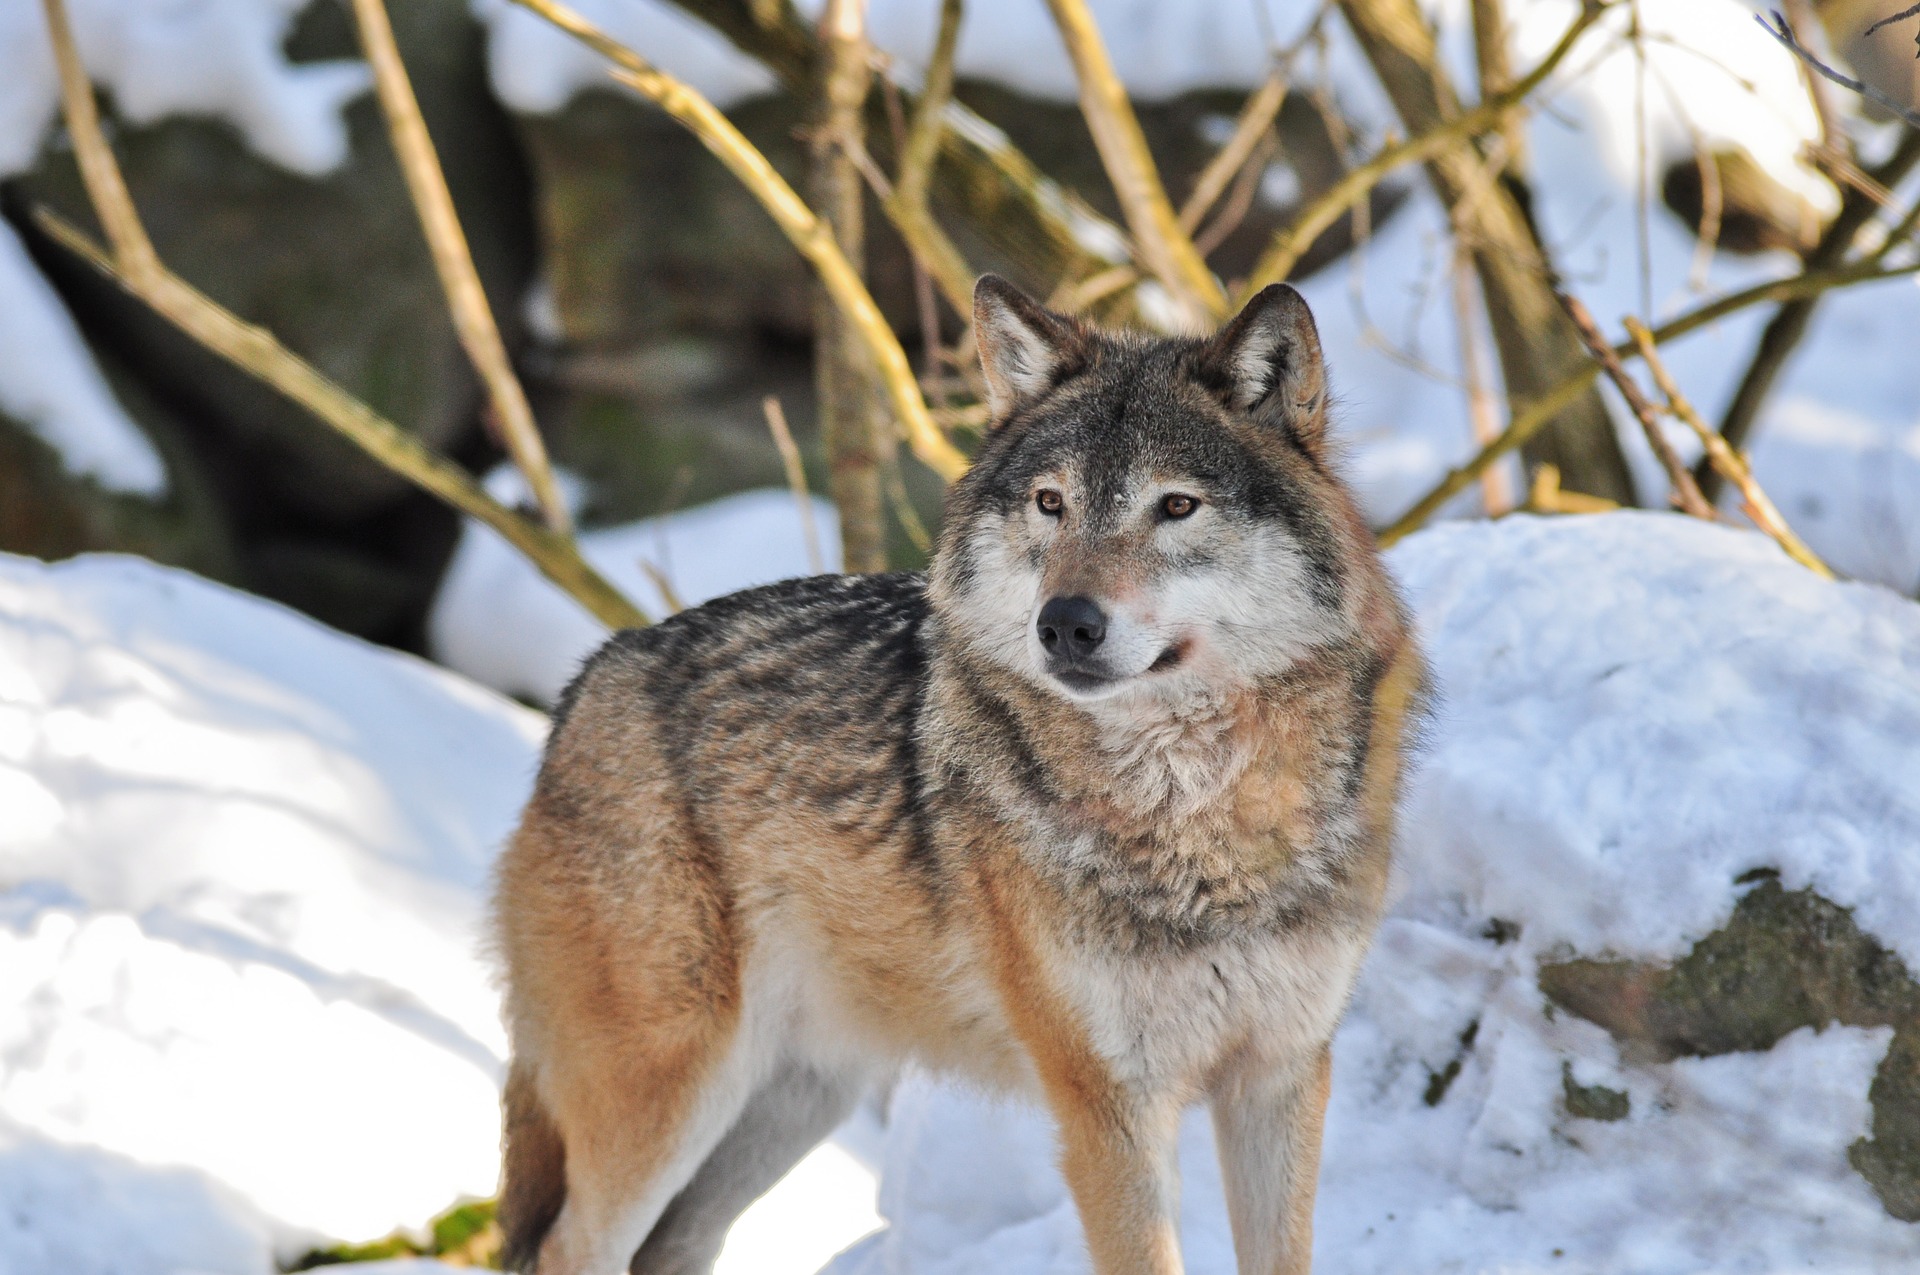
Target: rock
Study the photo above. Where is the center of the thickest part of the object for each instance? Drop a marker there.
(1756, 213)
(47, 512)
(336, 267)
(1787, 959)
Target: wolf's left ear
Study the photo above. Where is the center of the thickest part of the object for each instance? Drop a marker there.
(1024, 347)
(1267, 363)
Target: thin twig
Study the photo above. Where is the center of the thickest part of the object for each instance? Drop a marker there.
(106, 189)
(803, 230)
(907, 206)
(796, 480)
(1780, 31)
(1495, 489)
(1166, 249)
(1686, 492)
(466, 299)
(1755, 502)
(1239, 201)
(1292, 241)
(1530, 417)
(1249, 131)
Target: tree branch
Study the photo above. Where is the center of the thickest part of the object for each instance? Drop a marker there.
(1532, 415)
(1756, 504)
(803, 230)
(466, 299)
(1167, 249)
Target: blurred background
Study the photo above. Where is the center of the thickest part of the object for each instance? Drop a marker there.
(650, 304)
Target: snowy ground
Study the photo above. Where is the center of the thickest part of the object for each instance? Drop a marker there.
(242, 859)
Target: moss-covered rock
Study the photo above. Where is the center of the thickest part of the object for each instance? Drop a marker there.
(1786, 959)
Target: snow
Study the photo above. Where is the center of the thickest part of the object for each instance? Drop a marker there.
(737, 542)
(242, 859)
(50, 383)
(1636, 709)
(220, 58)
(242, 864)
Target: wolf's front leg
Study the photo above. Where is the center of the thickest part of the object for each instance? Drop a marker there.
(1119, 1156)
(1267, 1119)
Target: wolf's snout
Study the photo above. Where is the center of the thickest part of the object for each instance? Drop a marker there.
(1072, 628)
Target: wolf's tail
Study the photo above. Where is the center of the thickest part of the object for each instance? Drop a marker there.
(533, 1176)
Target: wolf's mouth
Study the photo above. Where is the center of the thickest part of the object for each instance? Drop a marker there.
(1082, 681)
(1169, 658)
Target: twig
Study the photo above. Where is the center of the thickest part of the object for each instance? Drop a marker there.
(796, 480)
(466, 299)
(907, 206)
(135, 266)
(1165, 247)
(1755, 502)
(1255, 122)
(903, 510)
(658, 579)
(1901, 16)
(1528, 418)
(805, 231)
(1495, 490)
(1240, 200)
(1789, 325)
(1780, 31)
(1686, 492)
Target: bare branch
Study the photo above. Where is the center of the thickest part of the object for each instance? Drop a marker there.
(1756, 504)
(1249, 131)
(254, 350)
(796, 480)
(1166, 248)
(1532, 416)
(466, 299)
(137, 268)
(1686, 492)
(1782, 32)
(806, 232)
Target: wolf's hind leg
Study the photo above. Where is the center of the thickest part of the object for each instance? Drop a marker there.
(786, 1117)
(1267, 1123)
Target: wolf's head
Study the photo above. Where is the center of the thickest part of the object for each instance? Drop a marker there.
(1151, 517)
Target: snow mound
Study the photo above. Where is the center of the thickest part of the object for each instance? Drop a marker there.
(241, 868)
(1636, 709)
(499, 621)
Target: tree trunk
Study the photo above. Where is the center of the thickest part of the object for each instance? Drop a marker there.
(1537, 343)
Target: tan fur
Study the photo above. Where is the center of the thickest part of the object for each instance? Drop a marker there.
(792, 841)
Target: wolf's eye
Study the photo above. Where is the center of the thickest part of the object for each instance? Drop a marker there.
(1050, 502)
(1178, 506)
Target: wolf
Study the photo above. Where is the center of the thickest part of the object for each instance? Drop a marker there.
(1099, 809)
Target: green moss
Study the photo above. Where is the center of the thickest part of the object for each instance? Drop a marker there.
(464, 1235)
(1592, 1102)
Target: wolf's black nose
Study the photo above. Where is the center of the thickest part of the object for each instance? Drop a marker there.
(1072, 628)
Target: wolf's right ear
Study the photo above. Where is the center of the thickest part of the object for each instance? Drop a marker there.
(1024, 347)
(1267, 363)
